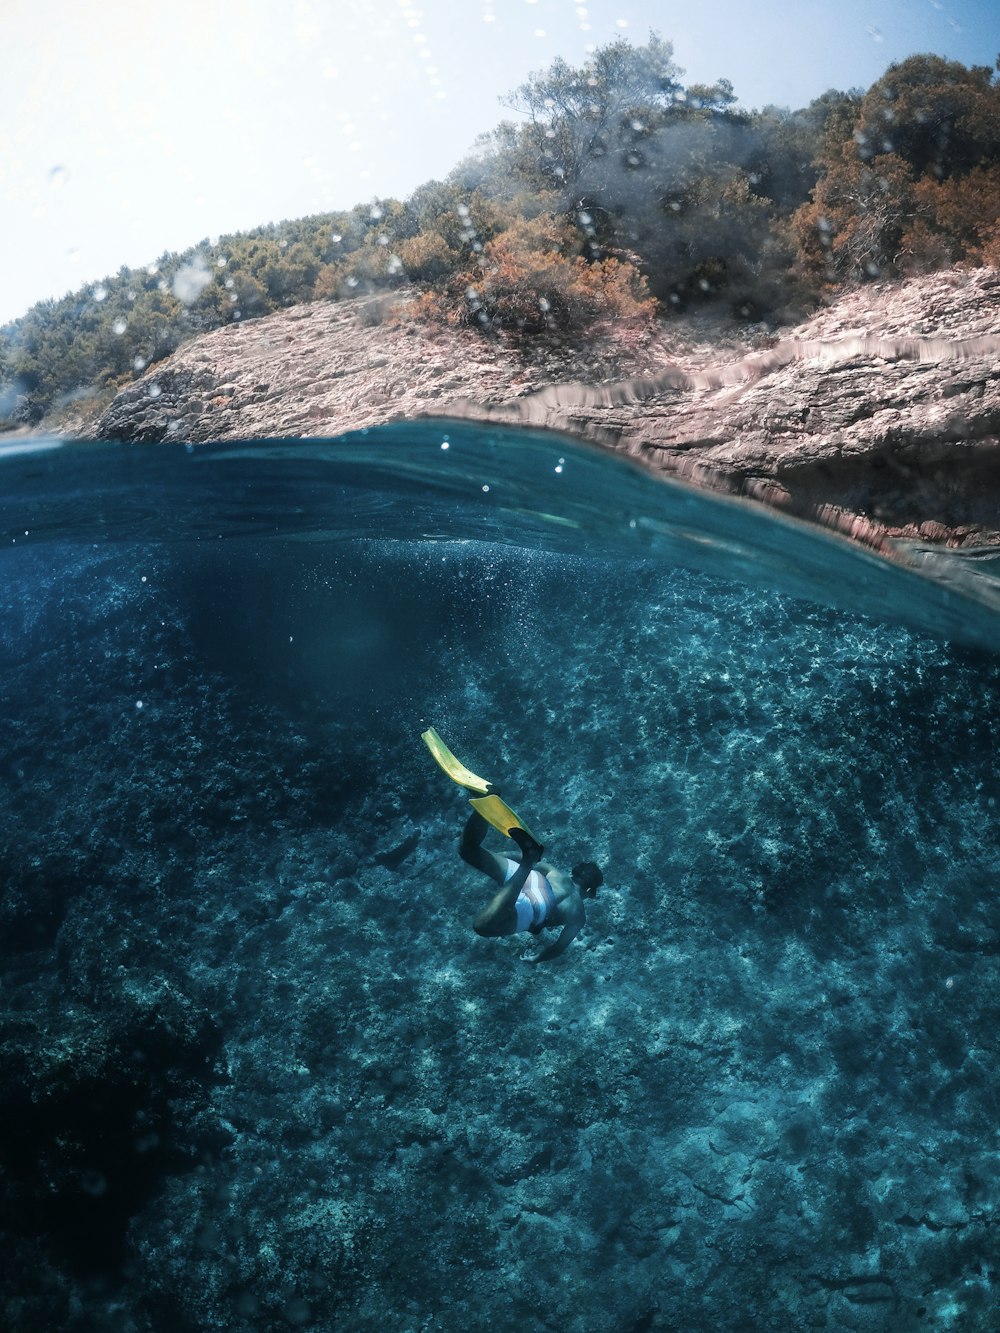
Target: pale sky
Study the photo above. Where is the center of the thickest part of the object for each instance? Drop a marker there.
(127, 130)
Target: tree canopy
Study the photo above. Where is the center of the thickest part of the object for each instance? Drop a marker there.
(908, 180)
(616, 193)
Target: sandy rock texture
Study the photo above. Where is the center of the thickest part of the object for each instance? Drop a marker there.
(880, 415)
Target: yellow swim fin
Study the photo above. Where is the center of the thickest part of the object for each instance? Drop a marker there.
(455, 769)
(500, 815)
(490, 806)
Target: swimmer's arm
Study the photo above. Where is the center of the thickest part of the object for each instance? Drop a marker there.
(565, 938)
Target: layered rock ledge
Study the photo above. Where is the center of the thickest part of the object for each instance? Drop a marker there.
(879, 415)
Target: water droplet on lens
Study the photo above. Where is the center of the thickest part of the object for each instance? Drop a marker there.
(94, 1183)
(190, 281)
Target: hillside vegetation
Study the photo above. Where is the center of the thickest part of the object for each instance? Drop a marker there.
(618, 194)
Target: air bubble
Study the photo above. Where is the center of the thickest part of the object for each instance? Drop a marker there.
(119, 326)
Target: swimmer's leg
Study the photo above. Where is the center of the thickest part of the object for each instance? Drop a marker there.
(499, 917)
(473, 853)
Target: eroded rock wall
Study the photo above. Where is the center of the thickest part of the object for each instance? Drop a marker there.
(879, 415)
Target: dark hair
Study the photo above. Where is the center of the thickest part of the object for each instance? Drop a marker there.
(588, 877)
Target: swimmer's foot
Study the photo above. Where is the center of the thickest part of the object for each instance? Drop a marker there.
(530, 849)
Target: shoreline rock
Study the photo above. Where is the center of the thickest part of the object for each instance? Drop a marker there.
(879, 415)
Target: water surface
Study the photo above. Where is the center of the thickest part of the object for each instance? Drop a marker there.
(262, 1074)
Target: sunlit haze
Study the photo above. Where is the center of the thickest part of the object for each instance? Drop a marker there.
(127, 131)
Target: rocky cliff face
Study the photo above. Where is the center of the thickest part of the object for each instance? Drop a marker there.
(880, 415)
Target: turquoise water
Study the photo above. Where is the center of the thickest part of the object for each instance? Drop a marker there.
(261, 1073)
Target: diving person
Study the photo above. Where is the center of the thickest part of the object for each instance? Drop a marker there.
(533, 895)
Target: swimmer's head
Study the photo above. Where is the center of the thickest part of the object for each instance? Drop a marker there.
(587, 878)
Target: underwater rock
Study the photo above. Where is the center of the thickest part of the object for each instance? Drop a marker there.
(99, 1106)
(393, 857)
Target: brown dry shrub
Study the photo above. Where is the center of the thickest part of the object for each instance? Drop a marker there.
(427, 256)
(525, 283)
(964, 209)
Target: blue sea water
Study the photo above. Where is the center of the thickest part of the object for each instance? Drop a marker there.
(259, 1071)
